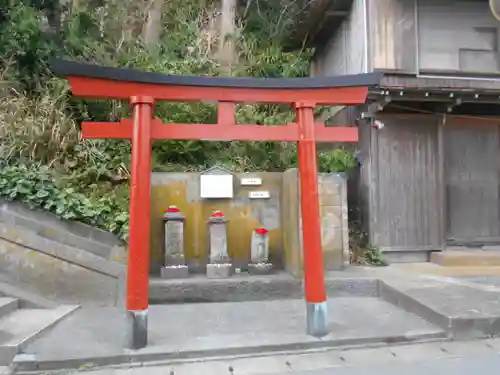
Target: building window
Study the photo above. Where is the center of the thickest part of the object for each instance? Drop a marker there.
(483, 58)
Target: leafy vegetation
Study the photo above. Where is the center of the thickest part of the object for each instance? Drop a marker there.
(35, 186)
(47, 164)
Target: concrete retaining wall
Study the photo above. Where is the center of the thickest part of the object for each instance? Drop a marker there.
(61, 261)
(72, 263)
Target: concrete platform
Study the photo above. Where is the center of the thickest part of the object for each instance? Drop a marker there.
(204, 330)
(466, 258)
(463, 308)
(244, 287)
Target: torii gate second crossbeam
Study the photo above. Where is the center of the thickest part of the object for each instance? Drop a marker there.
(144, 89)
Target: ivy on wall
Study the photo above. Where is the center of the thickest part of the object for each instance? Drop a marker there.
(35, 186)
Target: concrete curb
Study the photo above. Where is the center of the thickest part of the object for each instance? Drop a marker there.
(15, 345)
(65, 311)
(29, 362)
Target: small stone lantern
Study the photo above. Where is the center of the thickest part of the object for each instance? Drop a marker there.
(175, 263)
(259, 261)
(219, 264)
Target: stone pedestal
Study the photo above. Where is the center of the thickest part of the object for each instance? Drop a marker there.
(259, 259)
(175, 264)
(219, 263)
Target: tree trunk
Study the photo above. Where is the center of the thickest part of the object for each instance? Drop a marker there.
(75, 5)
(227, 48)
(153, 27)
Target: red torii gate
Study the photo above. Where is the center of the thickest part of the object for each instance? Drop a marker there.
(143, 89)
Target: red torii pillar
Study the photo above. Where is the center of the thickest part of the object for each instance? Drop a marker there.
(143, 89)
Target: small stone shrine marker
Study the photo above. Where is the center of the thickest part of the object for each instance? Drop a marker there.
(175, 263)
(259, 261)
(219, 264)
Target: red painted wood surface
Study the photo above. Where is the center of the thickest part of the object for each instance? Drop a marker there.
(140, 198)
(219, 132)
(314, 279)
(106, 89)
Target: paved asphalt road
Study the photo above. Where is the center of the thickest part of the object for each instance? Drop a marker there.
(481, 357)
(487, 365)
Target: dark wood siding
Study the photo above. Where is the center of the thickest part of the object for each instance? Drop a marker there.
(472, 181)
(406, 197)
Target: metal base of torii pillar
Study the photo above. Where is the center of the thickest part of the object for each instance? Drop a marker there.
(142, 89)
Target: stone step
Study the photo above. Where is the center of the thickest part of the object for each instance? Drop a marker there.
(8, 305)
(70, 233)
(21, 327)
(466, 258)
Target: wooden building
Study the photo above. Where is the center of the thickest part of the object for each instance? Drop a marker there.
(429, 138)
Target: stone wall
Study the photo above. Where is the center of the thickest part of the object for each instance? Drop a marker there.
(279, 214)
(68, 262)
(333, 215)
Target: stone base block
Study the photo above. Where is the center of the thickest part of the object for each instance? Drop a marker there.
(174, 272)
(260, 268)
(219, 271)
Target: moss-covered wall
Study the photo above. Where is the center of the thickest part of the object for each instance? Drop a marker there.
(280, 214)
(244, 214)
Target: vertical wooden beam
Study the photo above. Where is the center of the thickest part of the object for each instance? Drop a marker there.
(225, 113)
(443, 209)
(374, 185)
(140, 223)
(314, 279)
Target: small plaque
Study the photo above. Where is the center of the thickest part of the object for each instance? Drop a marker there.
(216, 186)
(251, 181)
(259, 195)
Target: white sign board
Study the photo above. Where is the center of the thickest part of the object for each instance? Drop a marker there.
(259, 195)
(216, 186)
(251, 181)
